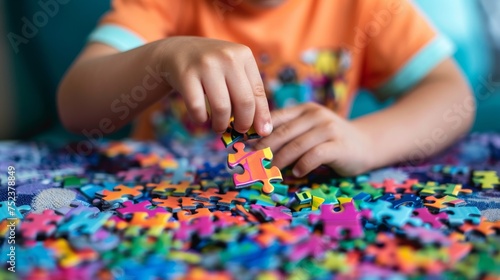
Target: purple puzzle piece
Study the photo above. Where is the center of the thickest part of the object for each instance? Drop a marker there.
(130, 208)
(334, 223)
(270, 213)
(429, 218)
(315, 246)
(203, 226)
(76, 208)
(141, 175)
(427, 236)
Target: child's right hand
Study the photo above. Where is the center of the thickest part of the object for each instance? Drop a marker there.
(226, 73)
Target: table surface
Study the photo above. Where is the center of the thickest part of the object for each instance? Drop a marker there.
(374, 230)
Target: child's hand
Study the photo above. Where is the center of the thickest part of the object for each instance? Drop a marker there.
(226, 73)
(311, 135)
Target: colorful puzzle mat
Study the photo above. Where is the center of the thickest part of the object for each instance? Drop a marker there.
(199, 210)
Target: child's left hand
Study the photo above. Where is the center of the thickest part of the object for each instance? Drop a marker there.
(311, 134)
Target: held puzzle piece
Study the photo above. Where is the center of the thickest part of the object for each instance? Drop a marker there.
(254, 170)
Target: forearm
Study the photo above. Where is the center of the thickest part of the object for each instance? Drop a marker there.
(108, 90)
(429, 118)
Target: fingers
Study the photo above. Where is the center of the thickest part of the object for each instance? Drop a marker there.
(242, 101)
(293, 150)
(193, 95)
(298, 125)
(314, 157)
(218, 99)
(286, 115)
(262, 119)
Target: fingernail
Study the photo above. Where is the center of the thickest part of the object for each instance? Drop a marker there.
(295, 173)
(268, 128)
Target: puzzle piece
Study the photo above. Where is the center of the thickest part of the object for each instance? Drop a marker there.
(202, 226)
(432, 189)
(231, 136)
(410, 200)
(76, 207)
(226, 219)
(70, 182)
(315, 246)
(141, 175)
(443, 203)
(130, 208)
(279, 230)
(164, 188)
(383, 213)
(253, 165)
(271, 213)
(9, 210)
(326, 192)
(84, 223)
(485, 227)
(225, 199)
(343, 223)
(426, 236)
(170, 203)
(190, 203)
(391, 186)
(156, 224)
(433, 220)
(120, 193)
(240, 210)
(67, 256)
(485, 179)
(40, 225)
(185, 215)
(459, 215)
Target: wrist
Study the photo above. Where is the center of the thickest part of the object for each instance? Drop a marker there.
(371, 151)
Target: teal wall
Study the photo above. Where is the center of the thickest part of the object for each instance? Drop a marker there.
(463, 22)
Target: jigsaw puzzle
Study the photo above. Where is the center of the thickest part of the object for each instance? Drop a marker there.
(147, 211)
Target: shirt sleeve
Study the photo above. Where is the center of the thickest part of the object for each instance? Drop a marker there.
(132, 23)
(401, 47)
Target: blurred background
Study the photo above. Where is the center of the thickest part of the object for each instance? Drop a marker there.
(31, 66)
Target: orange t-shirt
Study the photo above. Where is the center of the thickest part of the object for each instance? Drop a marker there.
(313, 50)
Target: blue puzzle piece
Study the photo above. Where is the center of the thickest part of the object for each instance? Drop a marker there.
(90, 190)
(85, 222)
(410, 200)
(8, 209)
(383, 212)
(459, 215)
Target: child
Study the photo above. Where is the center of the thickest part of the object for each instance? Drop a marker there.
(224, 57)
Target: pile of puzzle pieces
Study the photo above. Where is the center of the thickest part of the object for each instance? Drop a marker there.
(136, 210)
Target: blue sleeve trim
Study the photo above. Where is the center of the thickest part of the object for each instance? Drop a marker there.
(117, 37)
(417, 68)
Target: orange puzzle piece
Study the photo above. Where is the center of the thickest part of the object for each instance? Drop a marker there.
(121, 193)
(254, 170)
(167, 188)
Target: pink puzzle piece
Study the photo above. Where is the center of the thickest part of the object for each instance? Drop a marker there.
(315, 246)
(272, 212)
(40, 224)
(130, 208)
(254, 170)
(335, 223)
(433, 220)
